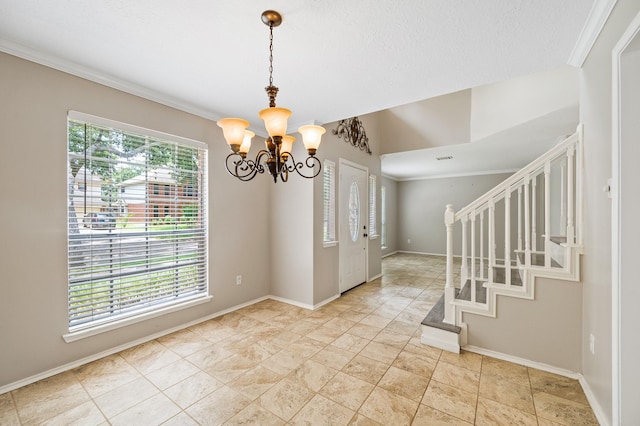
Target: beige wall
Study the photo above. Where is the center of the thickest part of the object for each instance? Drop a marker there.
(547, 330)
(33, 307)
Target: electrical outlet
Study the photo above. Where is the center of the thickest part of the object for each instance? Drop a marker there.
(238, 279)
(592, 344)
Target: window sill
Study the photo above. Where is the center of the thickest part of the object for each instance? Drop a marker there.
(89, 331)
(329, 244)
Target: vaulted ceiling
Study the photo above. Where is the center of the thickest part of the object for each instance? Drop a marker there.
(333, 59)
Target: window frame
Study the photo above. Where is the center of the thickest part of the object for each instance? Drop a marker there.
(373, 207)
(198, 287)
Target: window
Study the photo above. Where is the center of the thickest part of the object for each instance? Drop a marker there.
(373, 228)
(156, 189)
(329, 202)
(383, 216)
(166, 190)
(127, 267)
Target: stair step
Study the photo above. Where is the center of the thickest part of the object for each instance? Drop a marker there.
(465, 293)
(537, 259)
(435, 317)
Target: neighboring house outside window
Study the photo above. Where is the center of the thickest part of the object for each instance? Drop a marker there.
(126, 264)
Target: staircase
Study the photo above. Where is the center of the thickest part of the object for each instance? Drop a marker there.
(528, 226)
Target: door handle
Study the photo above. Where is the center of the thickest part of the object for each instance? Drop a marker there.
(365, 235)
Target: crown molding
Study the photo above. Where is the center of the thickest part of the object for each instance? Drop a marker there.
(95, 76)
(590, 31)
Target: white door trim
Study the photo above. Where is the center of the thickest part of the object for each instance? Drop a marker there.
(616, 139)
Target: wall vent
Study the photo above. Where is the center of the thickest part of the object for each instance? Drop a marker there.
(446, 157)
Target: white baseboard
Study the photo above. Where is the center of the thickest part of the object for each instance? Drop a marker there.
(593, 402)
(374, 278)
(389, 254)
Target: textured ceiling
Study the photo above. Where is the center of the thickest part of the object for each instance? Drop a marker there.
(332, 59)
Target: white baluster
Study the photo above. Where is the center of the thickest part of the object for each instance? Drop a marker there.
(463, 268)
(534, 208)
(492, 240)
(570, 190)
(547, 215)
(473, 256)
(527, 223)
(507, 236)
(482, 245)
(519, 217)
(449, 289)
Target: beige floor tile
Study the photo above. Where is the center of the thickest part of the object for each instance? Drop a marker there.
(47, 398)
(459, 378)
(230, 368)
(352, 315)
(365, 331)
(126, 396)
(192, 389)
(388, 408)
(105, 374)
(218, 407)
(154, 410)
(360, 420)
(347, 390)
(401, 382)
(255, 382)
(504, 370)
(391, 338)
(322, 411)
(450, 400)
(464, 359)
(306, 347)
(254, 414)
(507, 392)
(562, 410)
(340, 324)
(493, 413)
(149, 356)
(172, 374)
(401, 327)
(366, 369)
(210, 356)
(184, 342)
(284, 362)
(381, 352)
(563, 387)
(85, 414)
(302, 327)
(333, 357)
(286, 398)
(324, 334)
(8, 412)
(313, 375)
(180, 419)
(376, 321)
(418, 348)
(350, 342)
(415, 364)
(285, 338)
(427, 416)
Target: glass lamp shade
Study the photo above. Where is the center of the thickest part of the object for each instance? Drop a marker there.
(233, 130)
(275, 120)
(287, 145)
(246, 142)
(311, 136)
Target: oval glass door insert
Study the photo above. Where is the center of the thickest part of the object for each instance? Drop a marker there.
(354, 211)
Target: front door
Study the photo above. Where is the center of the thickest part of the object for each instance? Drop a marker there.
(353, 224)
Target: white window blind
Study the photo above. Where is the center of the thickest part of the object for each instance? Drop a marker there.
(383, 216)
(373, 228)
(329, 201)
(137, 222)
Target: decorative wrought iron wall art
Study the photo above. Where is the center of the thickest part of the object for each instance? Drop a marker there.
(352, 131)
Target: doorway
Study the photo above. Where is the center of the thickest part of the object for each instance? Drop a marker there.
(626, 227)
(352, 223)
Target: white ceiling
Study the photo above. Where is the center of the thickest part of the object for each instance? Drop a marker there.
(333, 59)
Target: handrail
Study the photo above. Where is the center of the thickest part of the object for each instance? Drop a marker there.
(512, 180)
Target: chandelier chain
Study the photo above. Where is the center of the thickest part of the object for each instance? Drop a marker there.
(271, 55)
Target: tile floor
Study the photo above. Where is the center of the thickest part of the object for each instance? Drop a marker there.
(357, 360)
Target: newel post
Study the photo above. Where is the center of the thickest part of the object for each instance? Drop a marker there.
(449, 289)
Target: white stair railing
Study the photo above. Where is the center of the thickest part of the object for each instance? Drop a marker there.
(558, 207)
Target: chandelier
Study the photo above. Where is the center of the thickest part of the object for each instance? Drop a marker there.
(276, 158)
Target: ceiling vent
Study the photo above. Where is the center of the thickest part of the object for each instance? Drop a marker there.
(446, 157)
